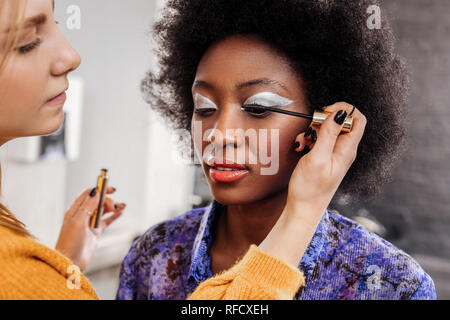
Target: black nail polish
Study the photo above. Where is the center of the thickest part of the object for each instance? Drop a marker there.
(340, 117)
(93, 192)
(314, 136)
(297, 145)
(116, 207)
(308, 132)
(306, 150)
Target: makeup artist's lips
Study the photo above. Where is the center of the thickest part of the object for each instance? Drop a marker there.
(58, 100)
(226, 171)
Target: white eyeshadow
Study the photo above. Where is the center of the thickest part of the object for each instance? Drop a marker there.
(269, 99)
(202, 102)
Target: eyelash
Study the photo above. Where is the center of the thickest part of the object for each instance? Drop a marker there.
(201, 112)
(27, 48)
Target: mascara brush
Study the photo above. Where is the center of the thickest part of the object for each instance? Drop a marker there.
(317, 118)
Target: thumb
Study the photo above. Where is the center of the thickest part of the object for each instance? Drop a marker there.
(329, 132)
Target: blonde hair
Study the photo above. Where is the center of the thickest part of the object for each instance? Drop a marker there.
(7, 219)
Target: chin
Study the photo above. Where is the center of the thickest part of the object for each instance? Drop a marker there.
(233, 195)
(52, 126)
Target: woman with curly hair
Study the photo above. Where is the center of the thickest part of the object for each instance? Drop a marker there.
(216, 56)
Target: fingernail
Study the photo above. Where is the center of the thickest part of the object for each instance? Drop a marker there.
(340, 117)
(314, 136)
(116, 207)
(308, 132)
(306, 150)
(93, 192)
(114, 189)
(297, 145)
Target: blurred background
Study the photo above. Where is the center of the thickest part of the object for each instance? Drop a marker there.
(108, 125)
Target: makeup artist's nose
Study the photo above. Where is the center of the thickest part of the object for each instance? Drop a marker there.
(66, 58)
(228, 125)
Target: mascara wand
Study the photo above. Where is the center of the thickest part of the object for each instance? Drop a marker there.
(317, 118)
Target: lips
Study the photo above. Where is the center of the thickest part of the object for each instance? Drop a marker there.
(226, 171)
(60, 98)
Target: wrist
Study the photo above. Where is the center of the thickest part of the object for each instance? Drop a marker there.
(303, 210)
(289, 238)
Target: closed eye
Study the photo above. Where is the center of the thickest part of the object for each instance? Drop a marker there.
(204, 111)
(256, 110)
(29, 47)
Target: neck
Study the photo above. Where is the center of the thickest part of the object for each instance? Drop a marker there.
(241, 225)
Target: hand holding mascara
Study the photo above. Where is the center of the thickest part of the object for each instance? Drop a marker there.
(83, 224)
(314, 183)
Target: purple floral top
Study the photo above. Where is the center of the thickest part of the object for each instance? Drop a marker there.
(343, 261)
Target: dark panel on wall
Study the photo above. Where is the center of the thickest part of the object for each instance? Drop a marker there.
(415, 207)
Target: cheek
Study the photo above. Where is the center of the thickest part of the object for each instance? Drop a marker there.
(289, 129)
(23, 91)
(198, 129)
(284, 146)
(23, 86)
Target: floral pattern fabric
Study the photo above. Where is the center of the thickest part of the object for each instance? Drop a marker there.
(343, 261)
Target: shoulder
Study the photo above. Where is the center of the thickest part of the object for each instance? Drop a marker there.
(26, 265)
(12, 244)
(373, 267)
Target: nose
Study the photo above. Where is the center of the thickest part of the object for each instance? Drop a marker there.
(224, 133)
(66, 60)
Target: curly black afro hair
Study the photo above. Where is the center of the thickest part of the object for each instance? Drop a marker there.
(327, 42)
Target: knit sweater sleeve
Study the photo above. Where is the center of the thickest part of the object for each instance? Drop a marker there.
(31, 271)
(258, 276)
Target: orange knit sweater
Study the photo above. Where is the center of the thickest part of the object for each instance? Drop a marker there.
(31, 271)
(258, 276)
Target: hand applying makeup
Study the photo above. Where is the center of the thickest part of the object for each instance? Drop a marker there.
(328, 155)
(77, 240)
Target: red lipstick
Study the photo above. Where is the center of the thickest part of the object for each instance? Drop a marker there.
(226, 171)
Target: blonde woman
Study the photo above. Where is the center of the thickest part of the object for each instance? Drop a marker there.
(35, 60)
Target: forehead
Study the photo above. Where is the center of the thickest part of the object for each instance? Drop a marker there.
(239, 58)
(241, 54)
(31, 9)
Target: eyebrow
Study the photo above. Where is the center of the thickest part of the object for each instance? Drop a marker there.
(35, 21)
(242, 85)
